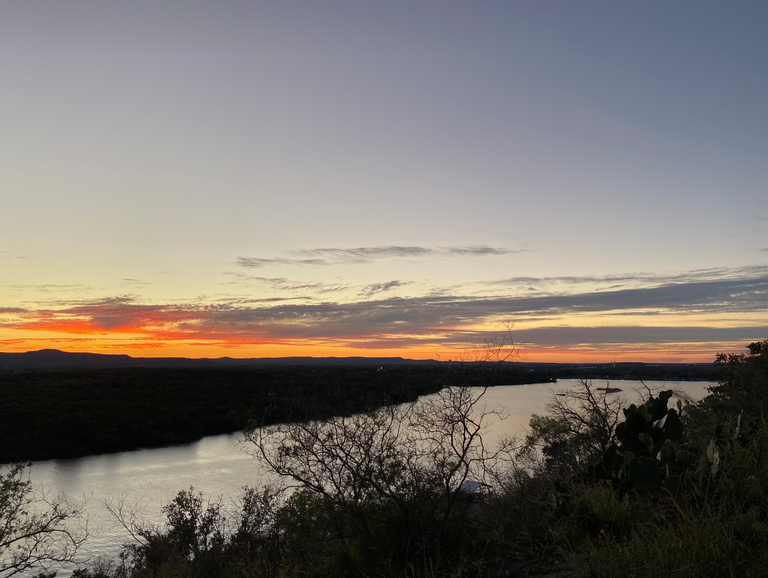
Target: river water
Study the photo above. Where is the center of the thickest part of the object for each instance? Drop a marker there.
(145, 480)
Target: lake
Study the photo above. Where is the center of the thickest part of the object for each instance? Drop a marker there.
(220, 465)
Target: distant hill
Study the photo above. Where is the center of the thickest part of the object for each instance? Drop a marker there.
(56, 359)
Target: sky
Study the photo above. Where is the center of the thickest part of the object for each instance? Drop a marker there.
(252, 178)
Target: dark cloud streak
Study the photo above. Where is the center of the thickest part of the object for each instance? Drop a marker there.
(569, 336)
(48, 288)
(434, 312)
(285, 284)
(713, 274)
(338, 256)
(375, 288)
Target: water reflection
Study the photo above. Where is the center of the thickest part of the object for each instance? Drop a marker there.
(148, 479)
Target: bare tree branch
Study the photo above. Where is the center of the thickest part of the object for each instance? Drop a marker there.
(36, 530)
(580, 425)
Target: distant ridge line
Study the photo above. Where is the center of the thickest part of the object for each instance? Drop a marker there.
(57, 359)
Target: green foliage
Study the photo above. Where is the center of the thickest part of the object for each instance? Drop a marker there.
(714, 526)
(200, 539)
(712, 520)
(743, 383)
(99, 569)
(650, 449)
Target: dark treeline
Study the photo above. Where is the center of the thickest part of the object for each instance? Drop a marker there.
(55, 359)
(630, 371)
(69, 413)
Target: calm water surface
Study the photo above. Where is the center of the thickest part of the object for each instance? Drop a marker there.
(145, 480)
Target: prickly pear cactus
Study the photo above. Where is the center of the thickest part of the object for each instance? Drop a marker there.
(650, 451)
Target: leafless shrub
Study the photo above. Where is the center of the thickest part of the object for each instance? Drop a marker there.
(36, 530)
(579, 426)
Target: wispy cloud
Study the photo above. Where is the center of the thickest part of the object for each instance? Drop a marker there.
(285, 284)
(51, 288)
(357, 255)
(636, 279)
(310, 289)
(375, 288)
(244, 301)
(258, 262)
(575, 336)
(7, 255)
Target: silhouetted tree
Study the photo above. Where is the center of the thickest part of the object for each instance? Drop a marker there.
(35, 531)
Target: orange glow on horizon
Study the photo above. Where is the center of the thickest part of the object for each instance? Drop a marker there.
(646, 353)
(200, 331)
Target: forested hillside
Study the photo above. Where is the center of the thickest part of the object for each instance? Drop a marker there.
(75, 412)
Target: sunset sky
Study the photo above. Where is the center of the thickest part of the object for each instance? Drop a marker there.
(393, 178)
